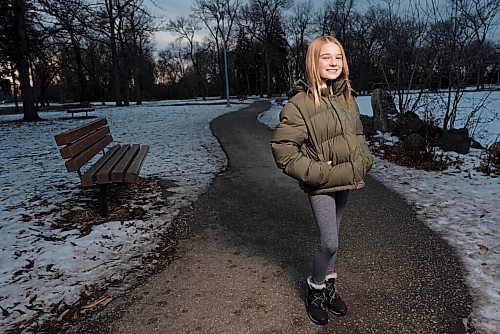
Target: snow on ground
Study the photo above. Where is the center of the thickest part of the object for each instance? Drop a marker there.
(43, 268)
(461, 204)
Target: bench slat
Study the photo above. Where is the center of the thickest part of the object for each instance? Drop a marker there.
(81, 159)
(103, 176)
(77, 110)
(135, 167)
(81, 104)
(72, 135)
(118, 173)
(78, 146)
(89, 178)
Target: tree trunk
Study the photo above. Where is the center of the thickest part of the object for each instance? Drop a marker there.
(14, 86)
(79, 65)
(22, 61)
(114, 55)
(249, 90)
(268, 69)
(126, 92)
(116, 73)
(137, 86)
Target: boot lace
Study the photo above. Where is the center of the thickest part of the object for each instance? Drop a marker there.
(332, 291)
(317, 299)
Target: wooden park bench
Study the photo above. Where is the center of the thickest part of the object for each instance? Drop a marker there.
(73, 108)
(118, 164)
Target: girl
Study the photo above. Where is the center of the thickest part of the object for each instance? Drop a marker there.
(320, 143)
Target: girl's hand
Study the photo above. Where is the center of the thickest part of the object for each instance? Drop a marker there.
(329, 163)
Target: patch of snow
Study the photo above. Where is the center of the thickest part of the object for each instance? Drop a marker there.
(462, 205)
(41, 267)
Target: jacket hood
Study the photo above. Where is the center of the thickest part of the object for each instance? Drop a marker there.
(297, 87)
(335, 87)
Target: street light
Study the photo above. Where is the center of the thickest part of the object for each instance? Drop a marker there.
(225, 57)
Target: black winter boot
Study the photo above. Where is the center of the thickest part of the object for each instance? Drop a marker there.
(314, 302)
(333, 302)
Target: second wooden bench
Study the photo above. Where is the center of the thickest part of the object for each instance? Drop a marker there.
(73, 108)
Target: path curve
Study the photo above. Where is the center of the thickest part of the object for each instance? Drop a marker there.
(242, 269)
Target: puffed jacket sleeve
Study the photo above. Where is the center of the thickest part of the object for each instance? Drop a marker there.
(361, 138)
(287, 142)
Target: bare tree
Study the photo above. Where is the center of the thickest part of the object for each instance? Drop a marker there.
(110, 27)
(451, 40)
(335, 18)
(171, 65)
(135, 47)
(72, 21)
(299, 26)
(45, 66)
(479, 16)
(397, 51)
(363, 53)
(99, 63)
(264, 15)
(186, 28)
(209, 12)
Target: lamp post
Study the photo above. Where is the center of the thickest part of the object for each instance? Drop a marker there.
(225, 57)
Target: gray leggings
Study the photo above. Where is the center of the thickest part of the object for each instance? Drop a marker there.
(327, 210)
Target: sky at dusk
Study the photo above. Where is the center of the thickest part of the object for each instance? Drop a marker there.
(170, 9)
(165, 10)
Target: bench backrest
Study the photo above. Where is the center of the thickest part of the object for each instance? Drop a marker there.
(77, 105)
(83, 143)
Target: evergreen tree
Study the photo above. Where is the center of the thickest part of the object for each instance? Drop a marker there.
(244, 64)
(278, 53)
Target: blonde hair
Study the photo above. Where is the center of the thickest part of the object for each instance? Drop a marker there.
(317, 85)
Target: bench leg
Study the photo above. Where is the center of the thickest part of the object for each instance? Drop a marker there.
(104, 199)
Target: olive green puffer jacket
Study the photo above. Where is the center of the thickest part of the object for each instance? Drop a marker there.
(307, 138)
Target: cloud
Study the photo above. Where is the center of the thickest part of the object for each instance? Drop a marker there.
(162, 39)
(171, 8)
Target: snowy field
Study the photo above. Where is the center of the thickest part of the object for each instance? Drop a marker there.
(43, 268)
(462, 205)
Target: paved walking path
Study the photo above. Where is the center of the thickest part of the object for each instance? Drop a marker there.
(252, 235)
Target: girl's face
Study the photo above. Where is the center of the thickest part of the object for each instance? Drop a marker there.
(330, 61)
